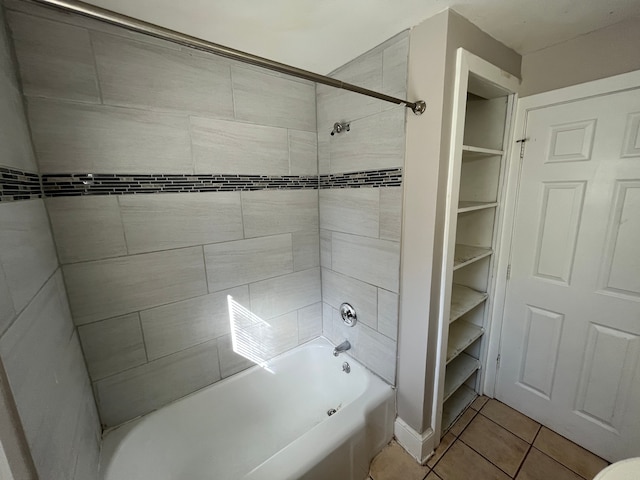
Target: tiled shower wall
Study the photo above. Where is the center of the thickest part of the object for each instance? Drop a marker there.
(113, 113)
(39, 346)
(360, 224)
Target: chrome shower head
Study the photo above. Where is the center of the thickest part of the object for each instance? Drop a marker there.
(339, 127)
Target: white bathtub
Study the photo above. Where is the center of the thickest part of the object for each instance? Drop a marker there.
(262, 425)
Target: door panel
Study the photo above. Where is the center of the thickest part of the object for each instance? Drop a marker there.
(570, 345)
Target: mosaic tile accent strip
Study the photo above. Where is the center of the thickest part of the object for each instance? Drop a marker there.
(391, 177)
(18, 185)
(58, 185)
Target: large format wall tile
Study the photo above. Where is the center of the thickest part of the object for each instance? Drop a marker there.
(391, 213)
(273, 297)
(31, 351)
(72, 137)
(303, 153)
(306, 250)
(86, 228)
(142, 389)
(368, 259)
(377, 352)
(230, 362)
(7, 312)
(160, 222)
(15, 140)
(107, 288)
(88, 439)
(55, 59)
(394, 63)
(370, 347)
(335, 105)
(309, 322)
(245, 261)
(374, 142)
(270, 100)
(388, 313)
(43, 360)
(232, 147)
(27, 252)
(171, 328)
(325, 248)
(282, 334)
(351, 210)
(324, 150)
(141, 75)
(113, 345)
(337, 289)
(60, 16)
(284, 211)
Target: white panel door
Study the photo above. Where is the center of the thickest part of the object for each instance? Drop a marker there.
(570, 346)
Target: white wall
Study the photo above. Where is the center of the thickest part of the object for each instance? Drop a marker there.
(602, 53)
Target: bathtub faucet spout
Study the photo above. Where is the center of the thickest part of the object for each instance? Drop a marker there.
(343, 347)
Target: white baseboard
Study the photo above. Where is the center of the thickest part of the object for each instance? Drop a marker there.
(419, 445)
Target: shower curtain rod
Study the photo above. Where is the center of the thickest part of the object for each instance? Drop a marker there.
(140, 26)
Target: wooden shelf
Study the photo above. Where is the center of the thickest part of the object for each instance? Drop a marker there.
(458, 372)
(455, 406)
(468, 206)
(461, 335)
(466, 254)
(463, 299)
(478, 152)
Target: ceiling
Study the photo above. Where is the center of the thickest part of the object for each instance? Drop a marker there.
(320, 35)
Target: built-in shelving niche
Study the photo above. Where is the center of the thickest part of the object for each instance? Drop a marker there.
(477, 174)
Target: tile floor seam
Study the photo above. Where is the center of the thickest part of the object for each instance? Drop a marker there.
(571, 442)
(443, 454)
(498, 467)
(524, 459)
(558, 462)
(504, 428)
(537, 433)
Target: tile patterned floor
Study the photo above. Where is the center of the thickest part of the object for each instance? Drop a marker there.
(492, 441)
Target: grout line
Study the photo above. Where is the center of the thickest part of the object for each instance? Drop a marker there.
(524, 459)
(505, 428)
(12, 322)
(233, 94)
(501, 469)
(241, 201)
(293, 255)
(289, 150)
(445, 452)
(144, 341)
(219, 359)
(485, 458)
(95, 64)
(206, 275)
(190, 347)
(191, 152)
(124, 233)
(537, 433)
(556, 461)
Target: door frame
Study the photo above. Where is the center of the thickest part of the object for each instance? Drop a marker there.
(615, 84)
